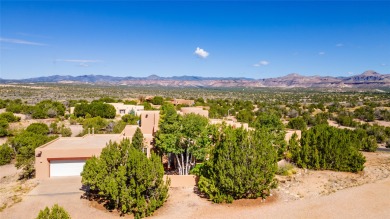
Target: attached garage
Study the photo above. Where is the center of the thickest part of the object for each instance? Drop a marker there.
(66, 167)
(67, 156)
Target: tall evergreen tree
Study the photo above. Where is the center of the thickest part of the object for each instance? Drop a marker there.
(137, 141)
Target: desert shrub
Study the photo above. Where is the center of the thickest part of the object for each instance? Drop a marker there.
(6, 154)
(297, 123)
(365, 113)
(38, 128)
(157, 100)
(66, 132)
(326, 147)
(9, 117)
(286, 170)
(3, 127)
(56, 212)
(126, 179)
(97, 123)
(95, 109)
(242, 165)
(25, 144)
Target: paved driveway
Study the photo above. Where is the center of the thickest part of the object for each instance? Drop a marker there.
(64, 191)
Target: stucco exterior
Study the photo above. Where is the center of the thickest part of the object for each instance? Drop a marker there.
(196, 110)
(123, 109)
(149, 121)
(182, 101)
(230, 122)
(70, 148)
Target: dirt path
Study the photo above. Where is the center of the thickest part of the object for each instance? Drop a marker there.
(308, 194)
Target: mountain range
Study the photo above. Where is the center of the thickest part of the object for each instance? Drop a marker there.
(367, 79)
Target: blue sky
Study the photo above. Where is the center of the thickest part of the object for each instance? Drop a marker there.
(256, 39)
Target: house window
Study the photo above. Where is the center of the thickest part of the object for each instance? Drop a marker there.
(145, 150)
(122, 111)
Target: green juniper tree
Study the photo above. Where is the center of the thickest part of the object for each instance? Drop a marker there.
(242, 165)
(138, 139)
(56, 212)
(126, 179)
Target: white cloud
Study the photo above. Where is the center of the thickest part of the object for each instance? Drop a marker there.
(321, 53)
(350, 73)
(201, 53)
(339, 45)
(383, 64)
(18, 41)
(261, 63)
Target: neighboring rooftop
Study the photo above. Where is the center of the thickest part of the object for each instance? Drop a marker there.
(88, 141)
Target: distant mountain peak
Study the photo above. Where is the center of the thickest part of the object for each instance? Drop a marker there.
(367, 79)
(293, 75)
(370, 73)
(153, 77)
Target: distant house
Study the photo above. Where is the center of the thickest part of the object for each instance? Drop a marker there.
(182, 102)
(123, 109)
(231, 123)
(195, 110)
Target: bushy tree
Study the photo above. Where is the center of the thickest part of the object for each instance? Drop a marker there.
(65, 132)
(47, 108)
(130, 119)
(157, 100)
(38, 128)
(126, 179)
(97, 123)
(9, 117)
(24, 145)
(326, 147)
(95, 109)
(242, 165)
(297, 123)
(137, 141)
(3, 127)
(271, 123)
(56, 212)
(6, 154)
(185, 137)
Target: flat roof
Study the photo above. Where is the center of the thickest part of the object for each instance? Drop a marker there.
(88, 141)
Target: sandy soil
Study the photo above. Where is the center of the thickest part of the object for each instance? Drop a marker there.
(307, 194)
(12, 190)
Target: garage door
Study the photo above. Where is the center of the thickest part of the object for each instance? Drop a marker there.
(66, 167)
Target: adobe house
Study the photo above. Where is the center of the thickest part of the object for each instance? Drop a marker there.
(123, 109)
(66, 156)
(183, 102)
(230, 123)
(196, 110)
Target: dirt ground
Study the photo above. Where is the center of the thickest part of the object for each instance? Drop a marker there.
(12, 190)
(306, 194)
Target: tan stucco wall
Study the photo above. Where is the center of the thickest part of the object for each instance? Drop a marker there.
(42, 163)
(290, 132)
(149, 121)
(196, 110)
(181, 180)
